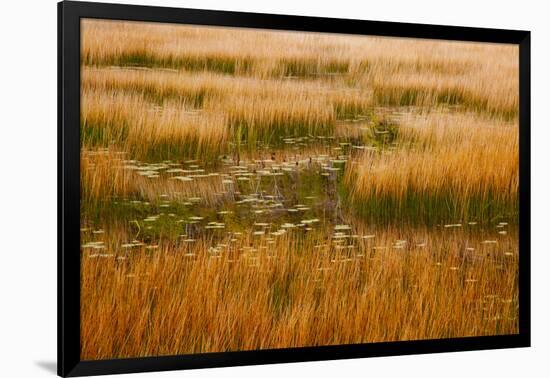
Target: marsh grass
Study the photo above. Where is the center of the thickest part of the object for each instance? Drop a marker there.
(205, 112)
(251, 189)
(422, 90)
(186, 300)
(107, 180)
(124, 121)
(449, 167)
(476, 76)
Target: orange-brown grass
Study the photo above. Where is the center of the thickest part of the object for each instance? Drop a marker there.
(195, 87)
(297, 292)
(105, 176)
(134, 125)
(429, 189)
(401, 71)
(124, 107)
(449, 168)
(470, 90)
(102, 176)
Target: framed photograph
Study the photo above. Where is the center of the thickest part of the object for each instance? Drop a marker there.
(239, 188)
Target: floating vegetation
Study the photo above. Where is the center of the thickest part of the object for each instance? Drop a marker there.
(288, 225)
(453, 225)
(310, 221)
(132, 244)
(215, 226)
(342, 227)
(94, 245)
(100, 255)
(182, 178)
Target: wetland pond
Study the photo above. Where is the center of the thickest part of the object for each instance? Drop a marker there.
(246, 202)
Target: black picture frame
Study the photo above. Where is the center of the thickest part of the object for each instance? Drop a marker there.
(69, 15)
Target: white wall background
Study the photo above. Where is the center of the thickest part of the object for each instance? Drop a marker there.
(28, 186)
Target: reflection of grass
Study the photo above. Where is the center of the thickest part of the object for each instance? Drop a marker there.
(105, 177)
(122, 195)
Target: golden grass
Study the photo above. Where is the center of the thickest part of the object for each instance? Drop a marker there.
(178, 300)
(127, 120)
(243, 111)
(470, 166)
(479, 76)
(471, 90)
(414, 143)
(107, 176)
(103, 176)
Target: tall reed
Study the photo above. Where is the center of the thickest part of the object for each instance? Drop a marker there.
(180, 300)
(450, 168)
